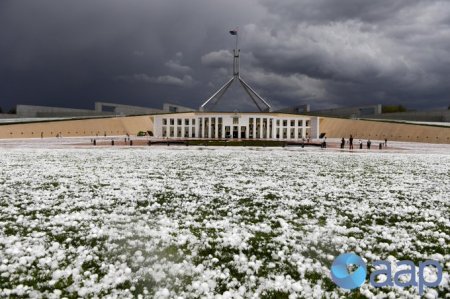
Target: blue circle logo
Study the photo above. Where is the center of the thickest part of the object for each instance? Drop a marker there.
(345, 278)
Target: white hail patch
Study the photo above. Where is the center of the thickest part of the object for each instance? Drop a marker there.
(225, 223)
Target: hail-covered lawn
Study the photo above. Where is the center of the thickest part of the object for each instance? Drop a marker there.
(211, 222)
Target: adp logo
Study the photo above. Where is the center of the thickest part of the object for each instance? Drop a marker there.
(349, 272)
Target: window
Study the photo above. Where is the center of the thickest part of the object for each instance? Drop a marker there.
(307, 123)
(193, 121)
(172, 122)
(164, 121)
(186, 122)
(292, 123)
(258, 126)
(300, 123)
(264, 125)
(200, 127)
(105, 108)
(213, 127)
(227, 132)
(292, 133)
(284, 123)
(235, 120)
(179, 121)
(219, 129)
(206, 126)
(172, 132)
(278, 122)
(270, 127)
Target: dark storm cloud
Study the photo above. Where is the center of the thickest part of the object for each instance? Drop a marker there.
(321, 52)
(319, 11)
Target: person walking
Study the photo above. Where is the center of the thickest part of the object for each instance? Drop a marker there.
(385, 142)
(324, 143)
(342, 142)
(360, 144)
(368, 144)
(351, 142)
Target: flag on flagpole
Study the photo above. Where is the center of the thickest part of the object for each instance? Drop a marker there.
(233, 32)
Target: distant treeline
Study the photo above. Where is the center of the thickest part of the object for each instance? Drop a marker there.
(12, 111)
(393, 108)
(396, 108)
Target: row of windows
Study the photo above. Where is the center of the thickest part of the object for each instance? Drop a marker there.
(233, 132)
(292, 123)
(188, 121)
(178, 133)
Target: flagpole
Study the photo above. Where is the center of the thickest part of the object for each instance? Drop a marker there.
(237, 49)
(256, 98)
(237, 53)
(237, 38)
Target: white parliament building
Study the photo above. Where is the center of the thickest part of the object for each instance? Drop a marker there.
(207, 124)
(234, 125)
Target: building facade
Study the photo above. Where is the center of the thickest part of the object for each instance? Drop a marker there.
(223, 125)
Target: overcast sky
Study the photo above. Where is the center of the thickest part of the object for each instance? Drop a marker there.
(326, 53)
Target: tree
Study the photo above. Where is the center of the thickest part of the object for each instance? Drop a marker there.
(393, 108)
(1, 111)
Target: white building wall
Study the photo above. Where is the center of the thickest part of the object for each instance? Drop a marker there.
(309, 126)
(315, 127)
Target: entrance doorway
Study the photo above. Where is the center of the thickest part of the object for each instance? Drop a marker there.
(243, 132)
(235, 132)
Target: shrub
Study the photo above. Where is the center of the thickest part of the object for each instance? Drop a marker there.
(393, 108)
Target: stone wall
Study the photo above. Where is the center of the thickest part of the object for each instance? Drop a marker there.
(83, 127)
(378, 130)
